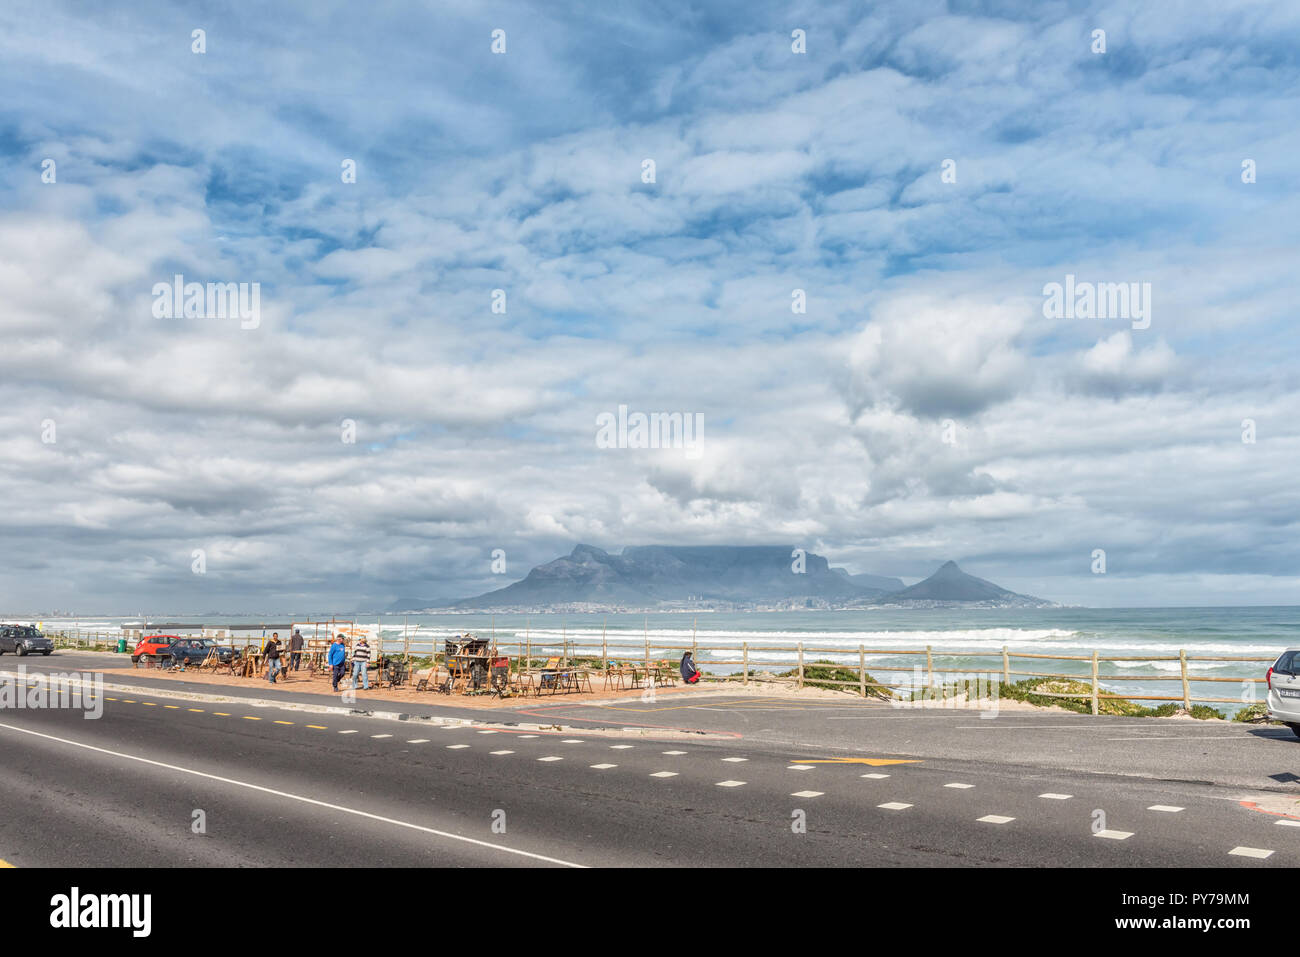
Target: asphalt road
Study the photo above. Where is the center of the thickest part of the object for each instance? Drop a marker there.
(287, 788)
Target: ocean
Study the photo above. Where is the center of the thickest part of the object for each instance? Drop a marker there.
(963, 641)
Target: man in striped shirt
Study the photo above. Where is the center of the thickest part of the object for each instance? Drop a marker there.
(360, 663)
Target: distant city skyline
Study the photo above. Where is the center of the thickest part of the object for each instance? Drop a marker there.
(925, 285)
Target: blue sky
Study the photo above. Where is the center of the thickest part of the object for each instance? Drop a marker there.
(522, 171)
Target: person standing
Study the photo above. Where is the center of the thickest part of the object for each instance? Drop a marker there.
(361, 663)
(337, 659)
(272, 653)
(295, 650)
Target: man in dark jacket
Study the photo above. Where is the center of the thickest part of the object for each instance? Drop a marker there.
(295, 650)
(690, 673)
(272, 653)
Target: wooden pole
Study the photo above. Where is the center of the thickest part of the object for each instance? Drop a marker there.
(1006, 667)
(564, 643)
(862, 670)
(929, 668)
(694, 646)
(801, 664)
(745, 645)
(1094, 682)
(1187, 693)
(528, 636)
(604, 647)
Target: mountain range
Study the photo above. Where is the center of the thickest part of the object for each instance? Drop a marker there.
(730, 576)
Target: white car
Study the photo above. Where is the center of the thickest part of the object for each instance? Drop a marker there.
(1284, 690)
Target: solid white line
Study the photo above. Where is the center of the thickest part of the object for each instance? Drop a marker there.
(295, 797)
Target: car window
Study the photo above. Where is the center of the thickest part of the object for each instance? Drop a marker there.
(1286, 663)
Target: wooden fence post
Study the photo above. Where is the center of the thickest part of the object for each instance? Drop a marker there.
(1094, 681)
(801, 664)
(929, 668)
(1187, 693)
(1006, 667)
(528, 637)
(862, 670)
(745, 647)
(604, 648)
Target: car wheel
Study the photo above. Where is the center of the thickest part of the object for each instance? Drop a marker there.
(45, 653)
(135, 659)
(21, 650)
(1294, 727)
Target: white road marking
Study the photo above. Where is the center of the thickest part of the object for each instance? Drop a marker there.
(894, 806)
(1114, 835)
(551, 758)
(619, 747)
(995, 819)
(1056, 797)
(735, 759)
(800, 767)
(456, 747)
(602, 767)
(874, 775)
(956, 785)
(674, 752)
(502, 752)
(347, 732)
(807, 794)
(736, 784)
(572, 741)
(1288, 822)
(295, 797)
(1257, 852)
(488, 732)
(1164, 807)
(381, 735)
(418, 741)
(664, 774)
(528, 736)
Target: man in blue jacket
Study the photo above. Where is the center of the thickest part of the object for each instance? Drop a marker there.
(337, 659)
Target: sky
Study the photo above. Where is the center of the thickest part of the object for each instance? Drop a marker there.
(434, 343)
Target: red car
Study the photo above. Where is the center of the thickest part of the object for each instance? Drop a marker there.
(152, 646)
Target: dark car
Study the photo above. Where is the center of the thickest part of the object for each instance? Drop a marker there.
(193, 651)
(23, 640)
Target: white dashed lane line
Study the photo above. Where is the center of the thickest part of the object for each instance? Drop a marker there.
(1256, 852)
(381, 735)
(551, 758)
(1056, 797)
(1114, 835)
(1288, 822)
(674, 752)
(664, 774)
(603, 767)
(894, 806)
(735, 759)
(874, 776)
(1169, 808)
(418, 741)
(456, 747)
(960, 786)
(800, 767)
(995, 819)
(807, 794)
(503, 752)
(619, 747)
(730, 784)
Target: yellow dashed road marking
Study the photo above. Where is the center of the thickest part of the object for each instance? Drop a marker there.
(199, 710)
(249, 717)
(224, 714)
(4, 863)
(173, 707)
(150, 704)
(318, 727)
(874, 762)
(284, 722)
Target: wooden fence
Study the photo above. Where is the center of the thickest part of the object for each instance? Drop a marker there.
(743, 669)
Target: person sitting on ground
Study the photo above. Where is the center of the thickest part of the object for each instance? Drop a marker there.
(690, 673)
(337, 659)
(272, 652)
(360, 663)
